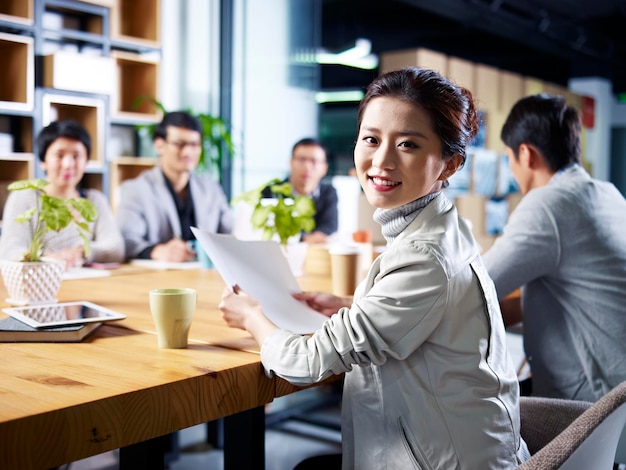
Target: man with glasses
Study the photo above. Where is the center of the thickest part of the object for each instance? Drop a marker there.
(158, 207)
(308, 165)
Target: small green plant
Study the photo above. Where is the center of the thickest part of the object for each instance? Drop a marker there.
(53, 214)
(288, 217)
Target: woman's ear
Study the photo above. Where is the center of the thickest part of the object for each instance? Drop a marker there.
(452, 165)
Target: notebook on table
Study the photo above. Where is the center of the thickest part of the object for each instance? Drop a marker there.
(15, 331)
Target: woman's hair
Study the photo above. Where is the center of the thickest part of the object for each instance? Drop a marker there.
(450, 107)
(547, 123)
(69, 129)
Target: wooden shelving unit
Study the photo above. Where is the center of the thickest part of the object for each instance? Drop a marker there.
(17, 81)
(123, 168)
(87, 60)
(126, 27)
(15, 166)
(137, 76)
(17, 11)
(88, 111)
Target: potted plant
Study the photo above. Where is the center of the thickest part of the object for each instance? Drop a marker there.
(284, 217)
(35, 279)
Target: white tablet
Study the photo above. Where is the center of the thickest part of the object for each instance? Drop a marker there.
(64, 313)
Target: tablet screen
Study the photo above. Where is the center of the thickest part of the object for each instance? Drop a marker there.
(65, 313)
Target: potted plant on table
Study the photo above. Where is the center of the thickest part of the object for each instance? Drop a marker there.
(34, 279)
(284, 217)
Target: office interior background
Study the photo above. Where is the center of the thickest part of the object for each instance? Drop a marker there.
(272, 68)
(255, 63)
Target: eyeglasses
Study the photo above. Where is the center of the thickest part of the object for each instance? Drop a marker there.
(181, 144)
(311, 161)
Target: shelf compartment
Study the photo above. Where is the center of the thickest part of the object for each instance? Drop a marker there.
(124, 168)
(20, 128)
(17, 166)
(17, 82)
(90, 112)
(79, 72)
(17, 11)
(13, 167)
(58, 17)
(137, 76)
(137, 21)
(94, 178)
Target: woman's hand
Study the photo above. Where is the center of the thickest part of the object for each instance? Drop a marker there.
(326, 304)
(239, 310)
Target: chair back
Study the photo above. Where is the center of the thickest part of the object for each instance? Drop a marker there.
(589, 441)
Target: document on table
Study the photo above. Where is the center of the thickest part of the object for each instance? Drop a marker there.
(84, 273)
(260, 268)
(163, 265)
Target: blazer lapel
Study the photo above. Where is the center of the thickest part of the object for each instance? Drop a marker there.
(166, 199)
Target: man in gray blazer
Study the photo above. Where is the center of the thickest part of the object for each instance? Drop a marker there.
(158, 207)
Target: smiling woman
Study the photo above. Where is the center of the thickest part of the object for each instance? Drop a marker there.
(64, 148)
(433, 382)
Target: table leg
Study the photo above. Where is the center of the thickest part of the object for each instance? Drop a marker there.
(153, 453)
(244, 440)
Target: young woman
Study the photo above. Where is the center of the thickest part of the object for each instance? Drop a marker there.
(428, 382)
(64, 148)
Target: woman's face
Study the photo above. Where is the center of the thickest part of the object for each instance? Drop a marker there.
(397, 154)
(65, 162)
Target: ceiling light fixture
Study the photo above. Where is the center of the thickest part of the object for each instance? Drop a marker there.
(338, 96)
(359, 56)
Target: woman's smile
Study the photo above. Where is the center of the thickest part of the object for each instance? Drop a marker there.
(383, 184)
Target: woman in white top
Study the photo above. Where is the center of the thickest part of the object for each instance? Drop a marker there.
(64, 148)
(428, 382)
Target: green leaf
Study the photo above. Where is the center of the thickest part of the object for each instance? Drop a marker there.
(35, 184)
(26, 216)
(282, 189)
(260, 216)
(85, 208)
(53, 214)
(288, 217)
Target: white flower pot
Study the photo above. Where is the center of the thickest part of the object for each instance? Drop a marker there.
(32, 283)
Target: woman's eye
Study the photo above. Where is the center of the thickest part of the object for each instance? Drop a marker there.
(407, 144)
(370, 139)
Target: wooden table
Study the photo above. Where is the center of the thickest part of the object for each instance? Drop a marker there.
(116, 389)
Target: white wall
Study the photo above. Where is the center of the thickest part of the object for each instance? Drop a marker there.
(271, 114)
(598, 145)
(189, 72)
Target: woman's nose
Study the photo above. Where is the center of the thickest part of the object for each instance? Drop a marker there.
(67, 161)
(384, 157)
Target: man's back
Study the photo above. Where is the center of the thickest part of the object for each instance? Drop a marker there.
(565, 244)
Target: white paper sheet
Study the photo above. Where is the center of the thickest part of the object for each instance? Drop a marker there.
(261, 270)
(163, 265)
(84, 273)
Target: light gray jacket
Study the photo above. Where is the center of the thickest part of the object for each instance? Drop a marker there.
(147, 212)
(434, 387)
